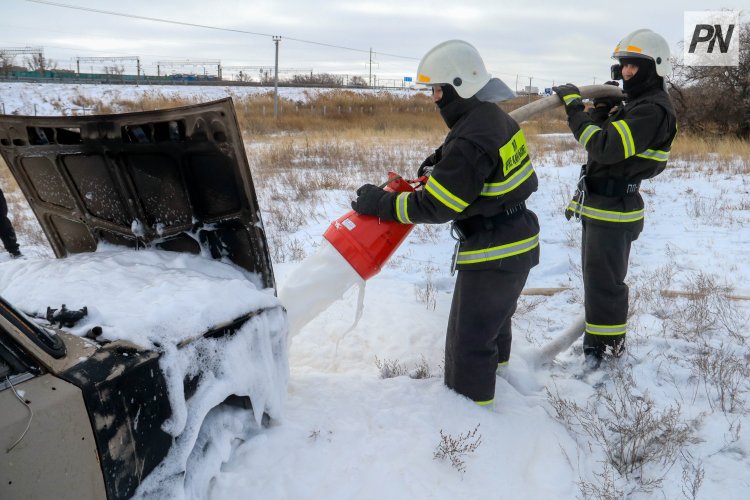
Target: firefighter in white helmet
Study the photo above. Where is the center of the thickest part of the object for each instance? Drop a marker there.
(480, 178)
(626, 143)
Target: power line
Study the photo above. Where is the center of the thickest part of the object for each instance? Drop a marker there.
(245, 32)
(205, 26)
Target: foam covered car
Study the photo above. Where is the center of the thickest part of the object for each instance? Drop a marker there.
(155, 224)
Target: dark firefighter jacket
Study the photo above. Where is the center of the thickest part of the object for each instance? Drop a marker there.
(481, 176)
(623, 149)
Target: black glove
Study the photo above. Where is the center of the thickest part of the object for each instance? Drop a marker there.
(570, 97)
(425, 168)
(608, 102)
(372, 200)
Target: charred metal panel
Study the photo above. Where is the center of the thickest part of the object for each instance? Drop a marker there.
(159, 185)
(46, 182)
(126, 397)
(97, 188)
(156, 178)
(218, 195)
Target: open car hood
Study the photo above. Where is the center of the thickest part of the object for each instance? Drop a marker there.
(175, 179)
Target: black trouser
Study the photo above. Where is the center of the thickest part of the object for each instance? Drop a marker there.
(479, 330)
(605, 251)
(7, 234)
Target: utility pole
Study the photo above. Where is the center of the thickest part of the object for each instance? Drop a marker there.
(370, 67)
(594, 80)
(276, 40)
(516, 83)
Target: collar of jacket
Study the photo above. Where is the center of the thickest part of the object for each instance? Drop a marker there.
(458, 108)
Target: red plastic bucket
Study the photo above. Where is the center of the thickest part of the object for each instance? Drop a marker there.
(365, 241)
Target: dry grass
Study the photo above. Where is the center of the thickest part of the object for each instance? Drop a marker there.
(630, 429)
(719, 154)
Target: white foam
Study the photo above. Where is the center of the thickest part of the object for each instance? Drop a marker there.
(316, 283)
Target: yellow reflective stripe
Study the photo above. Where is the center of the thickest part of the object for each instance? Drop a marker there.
(503, 363)
(570, 98)
(654, 154)
(628, 145)
(513, 152)
(499, 252)
(509, 184)
(484, 403)
(605, 329)
(606, 215)
(444, 196)
(402, 208)
(588, 133)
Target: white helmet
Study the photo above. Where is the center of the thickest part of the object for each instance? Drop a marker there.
(454, 62)
(646, 44)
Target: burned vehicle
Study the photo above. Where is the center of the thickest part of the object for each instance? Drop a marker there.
(88, 413)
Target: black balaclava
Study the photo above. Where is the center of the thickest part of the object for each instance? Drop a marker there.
(645, 79)
(453, 106)
(449, 95)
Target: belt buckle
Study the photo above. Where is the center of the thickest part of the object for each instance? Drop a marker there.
(459, 236)
(454, 259)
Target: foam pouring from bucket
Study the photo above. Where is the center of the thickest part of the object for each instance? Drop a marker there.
(365, 241)
(354, 249)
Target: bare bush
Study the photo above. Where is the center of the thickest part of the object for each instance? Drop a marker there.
(575, 277)
(457, 448)
(390, 368)
(628, 428)
(692, 479)
(703, 308)
(527, 304)
(426, 292)
(647, 294)
(428, 233)
(725, 377)
(285, 249)
(422, 370)
(604, 487)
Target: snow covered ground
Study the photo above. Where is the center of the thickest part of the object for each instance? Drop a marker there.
(668, 420)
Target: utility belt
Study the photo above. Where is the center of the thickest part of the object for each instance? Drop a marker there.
(610, 186)
(466, 228)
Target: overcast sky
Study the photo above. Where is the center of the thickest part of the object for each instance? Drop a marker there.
(547, 40)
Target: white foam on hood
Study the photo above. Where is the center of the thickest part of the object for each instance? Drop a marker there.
(160, 300)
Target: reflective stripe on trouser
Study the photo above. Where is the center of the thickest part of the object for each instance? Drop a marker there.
(479, 330)
(605, 251)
